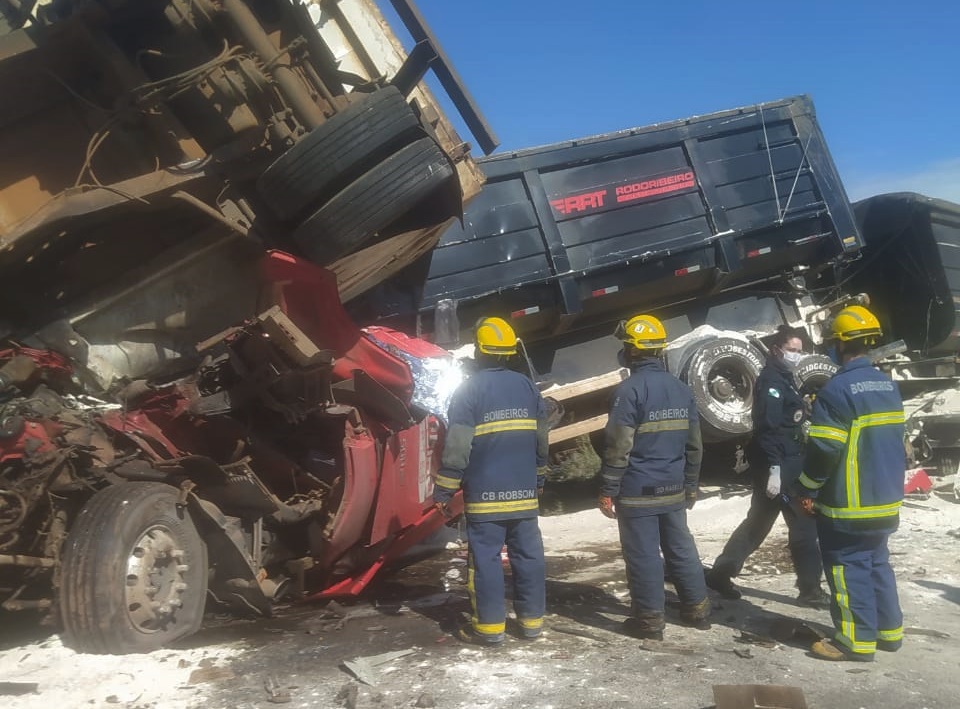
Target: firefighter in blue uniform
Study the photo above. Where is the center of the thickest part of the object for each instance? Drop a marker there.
(651, 469)
(853, 483)
(496, 450)
(776, 460)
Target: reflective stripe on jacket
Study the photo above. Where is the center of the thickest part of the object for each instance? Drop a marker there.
(653, 449)
(855, 461)
(496, 441)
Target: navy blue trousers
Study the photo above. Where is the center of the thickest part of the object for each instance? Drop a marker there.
(643, 539)
(486, 582)
(864, 604)
(763, 513)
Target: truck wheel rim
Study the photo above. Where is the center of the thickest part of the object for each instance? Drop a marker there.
(13, 510)
(730, 385)
(155, 580)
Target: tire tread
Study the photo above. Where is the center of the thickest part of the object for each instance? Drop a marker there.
(373, 202)
(345, 147)
(87, 627)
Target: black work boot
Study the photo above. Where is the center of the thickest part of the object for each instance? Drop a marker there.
(814, 598)
(696, 615)
(721, 583)
(466, 633)
(645, 626)
(889, 645)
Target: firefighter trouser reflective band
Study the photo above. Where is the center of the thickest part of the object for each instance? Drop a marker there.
(485, 574)
(864, 603)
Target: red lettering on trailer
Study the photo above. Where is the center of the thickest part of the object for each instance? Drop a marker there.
(525, 311)
(651, 188)
(685, 271)
(579, 202)
(759, 252)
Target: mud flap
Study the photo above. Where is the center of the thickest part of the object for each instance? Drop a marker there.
(234, 580)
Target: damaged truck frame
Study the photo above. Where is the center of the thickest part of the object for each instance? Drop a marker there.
(189, 189)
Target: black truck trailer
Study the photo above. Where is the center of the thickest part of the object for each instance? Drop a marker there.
(724, 226)
(911, 269)
(565, 239)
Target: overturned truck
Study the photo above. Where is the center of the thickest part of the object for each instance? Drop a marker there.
(189, 191)
(725, 226)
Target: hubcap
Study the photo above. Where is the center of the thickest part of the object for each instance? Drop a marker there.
(721, 388)
(731, 385)
(155, 581)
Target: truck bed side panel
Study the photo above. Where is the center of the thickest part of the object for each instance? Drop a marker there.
(911, 268)
(570, 235)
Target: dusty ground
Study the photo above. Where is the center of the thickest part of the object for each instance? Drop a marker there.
(583, 661)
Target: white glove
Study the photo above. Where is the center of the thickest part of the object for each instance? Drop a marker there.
(773, 482)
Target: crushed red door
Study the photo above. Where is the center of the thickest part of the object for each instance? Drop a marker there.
(388, 501)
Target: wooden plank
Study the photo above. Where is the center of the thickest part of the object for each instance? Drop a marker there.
(362, 270)
(565, 433)
(564, 392)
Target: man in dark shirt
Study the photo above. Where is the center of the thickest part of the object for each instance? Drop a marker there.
(775, 454)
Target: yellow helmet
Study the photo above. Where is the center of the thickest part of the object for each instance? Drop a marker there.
(644, 332)
(495, 337)
(854, 322)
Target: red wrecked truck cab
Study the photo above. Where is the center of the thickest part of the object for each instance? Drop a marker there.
(297, 456)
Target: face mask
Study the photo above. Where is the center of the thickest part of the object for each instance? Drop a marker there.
(792, 358)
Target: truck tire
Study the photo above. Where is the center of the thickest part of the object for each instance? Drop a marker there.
(134, 571)
(813, 372)
(374, 201)
(338, 152)
(722, 373)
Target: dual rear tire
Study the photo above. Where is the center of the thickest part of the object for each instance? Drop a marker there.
(722, 374)
(354, 176)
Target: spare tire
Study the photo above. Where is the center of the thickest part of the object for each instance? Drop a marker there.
(722, 374)
(338, 152)
(374, 201)
(813, 372)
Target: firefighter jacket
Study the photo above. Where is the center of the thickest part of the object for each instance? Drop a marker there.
(855, 459)
(653, 445)
(778, 416)
(496, 446)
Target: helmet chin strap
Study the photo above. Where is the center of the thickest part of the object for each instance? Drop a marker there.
(628, 355)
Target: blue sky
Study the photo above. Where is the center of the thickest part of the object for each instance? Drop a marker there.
(883, 75)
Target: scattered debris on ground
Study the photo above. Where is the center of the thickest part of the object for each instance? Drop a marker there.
(396, 647)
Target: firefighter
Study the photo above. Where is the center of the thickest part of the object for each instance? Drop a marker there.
(651, 468)
(496, 450)
(775, 454)
(853, 482)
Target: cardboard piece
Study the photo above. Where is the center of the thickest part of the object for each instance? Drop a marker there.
(758, 696)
